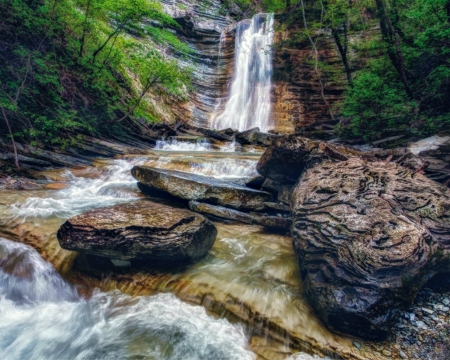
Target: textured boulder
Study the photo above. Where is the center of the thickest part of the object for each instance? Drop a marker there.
(368, 236)
(142, 230)
(197, 187)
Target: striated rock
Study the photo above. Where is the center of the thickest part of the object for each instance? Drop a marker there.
(255, 219)
(142, 230)
(197, 187)
(368, 236)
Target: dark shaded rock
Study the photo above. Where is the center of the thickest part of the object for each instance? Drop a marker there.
(255, 137)
(255, 219)
(289, 156)
(271, 185)
(285, 160)
(197, 187)
(368, 236)
(285, 194)
(224, 135)
(255, 182)
(277, 206)
(142, 230)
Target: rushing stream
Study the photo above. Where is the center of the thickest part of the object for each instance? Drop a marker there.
(248, 271)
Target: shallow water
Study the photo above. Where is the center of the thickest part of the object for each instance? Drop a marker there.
(250, 277)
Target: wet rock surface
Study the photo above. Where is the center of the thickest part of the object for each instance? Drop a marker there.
(278, 222)
(196, 187)
(368, 236)
(143, 230)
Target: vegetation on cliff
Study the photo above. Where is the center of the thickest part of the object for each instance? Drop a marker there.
(395, 61)
(83, 66)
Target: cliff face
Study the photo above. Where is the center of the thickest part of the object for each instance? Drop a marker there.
(296, 95)
(298, 103)
(201, 28)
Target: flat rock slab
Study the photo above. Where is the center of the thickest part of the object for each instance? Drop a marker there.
(197, 187)
(254, 219)
(368, 236)
(142, 230)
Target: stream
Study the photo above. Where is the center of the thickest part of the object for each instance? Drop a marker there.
(231, 305)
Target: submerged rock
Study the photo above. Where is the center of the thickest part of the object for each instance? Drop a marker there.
(255, 219)
(142, 230)
(197, 187)
(368, 236)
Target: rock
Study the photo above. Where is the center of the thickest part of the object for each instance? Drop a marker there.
(285, 194)
(225, 135)
(141, 230)
(255, 182)
(289, 156)
(197, 187)
(285, 160)
(277, 206)
(255, 219)
(368, 236)
(255, 137)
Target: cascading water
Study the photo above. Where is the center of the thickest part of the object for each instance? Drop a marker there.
(249, 103)
(44, 318)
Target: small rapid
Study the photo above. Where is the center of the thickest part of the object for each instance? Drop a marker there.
(44, 318)
(111, 185)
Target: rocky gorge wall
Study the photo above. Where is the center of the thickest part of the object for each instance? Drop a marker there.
(297, 103)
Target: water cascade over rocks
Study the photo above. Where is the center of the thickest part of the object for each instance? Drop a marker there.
(249, 104)
(44, 318)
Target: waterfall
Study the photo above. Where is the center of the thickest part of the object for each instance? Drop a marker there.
(249, 103)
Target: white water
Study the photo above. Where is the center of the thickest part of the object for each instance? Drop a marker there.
(114, 186)
(201, 144)
(42, 317)
(249, 103)
(176, 145)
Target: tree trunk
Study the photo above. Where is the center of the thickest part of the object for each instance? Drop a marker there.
(343, 52)
(16, 159)
(394, 51)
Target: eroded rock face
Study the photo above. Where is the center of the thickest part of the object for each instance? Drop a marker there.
(197, 187)
(368, 236)
(142, 230)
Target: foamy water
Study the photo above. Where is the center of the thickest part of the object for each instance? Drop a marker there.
(113, 186)
(42, 317)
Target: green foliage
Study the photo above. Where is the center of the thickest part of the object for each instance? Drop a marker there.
(395, 56)
(70, 67)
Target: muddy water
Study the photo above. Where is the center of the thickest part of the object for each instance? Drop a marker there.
(242, 301)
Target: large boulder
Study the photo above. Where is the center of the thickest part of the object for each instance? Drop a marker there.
(368, 236)
(198, 187)
(141, 230)
(286, 158)
(289, 156)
